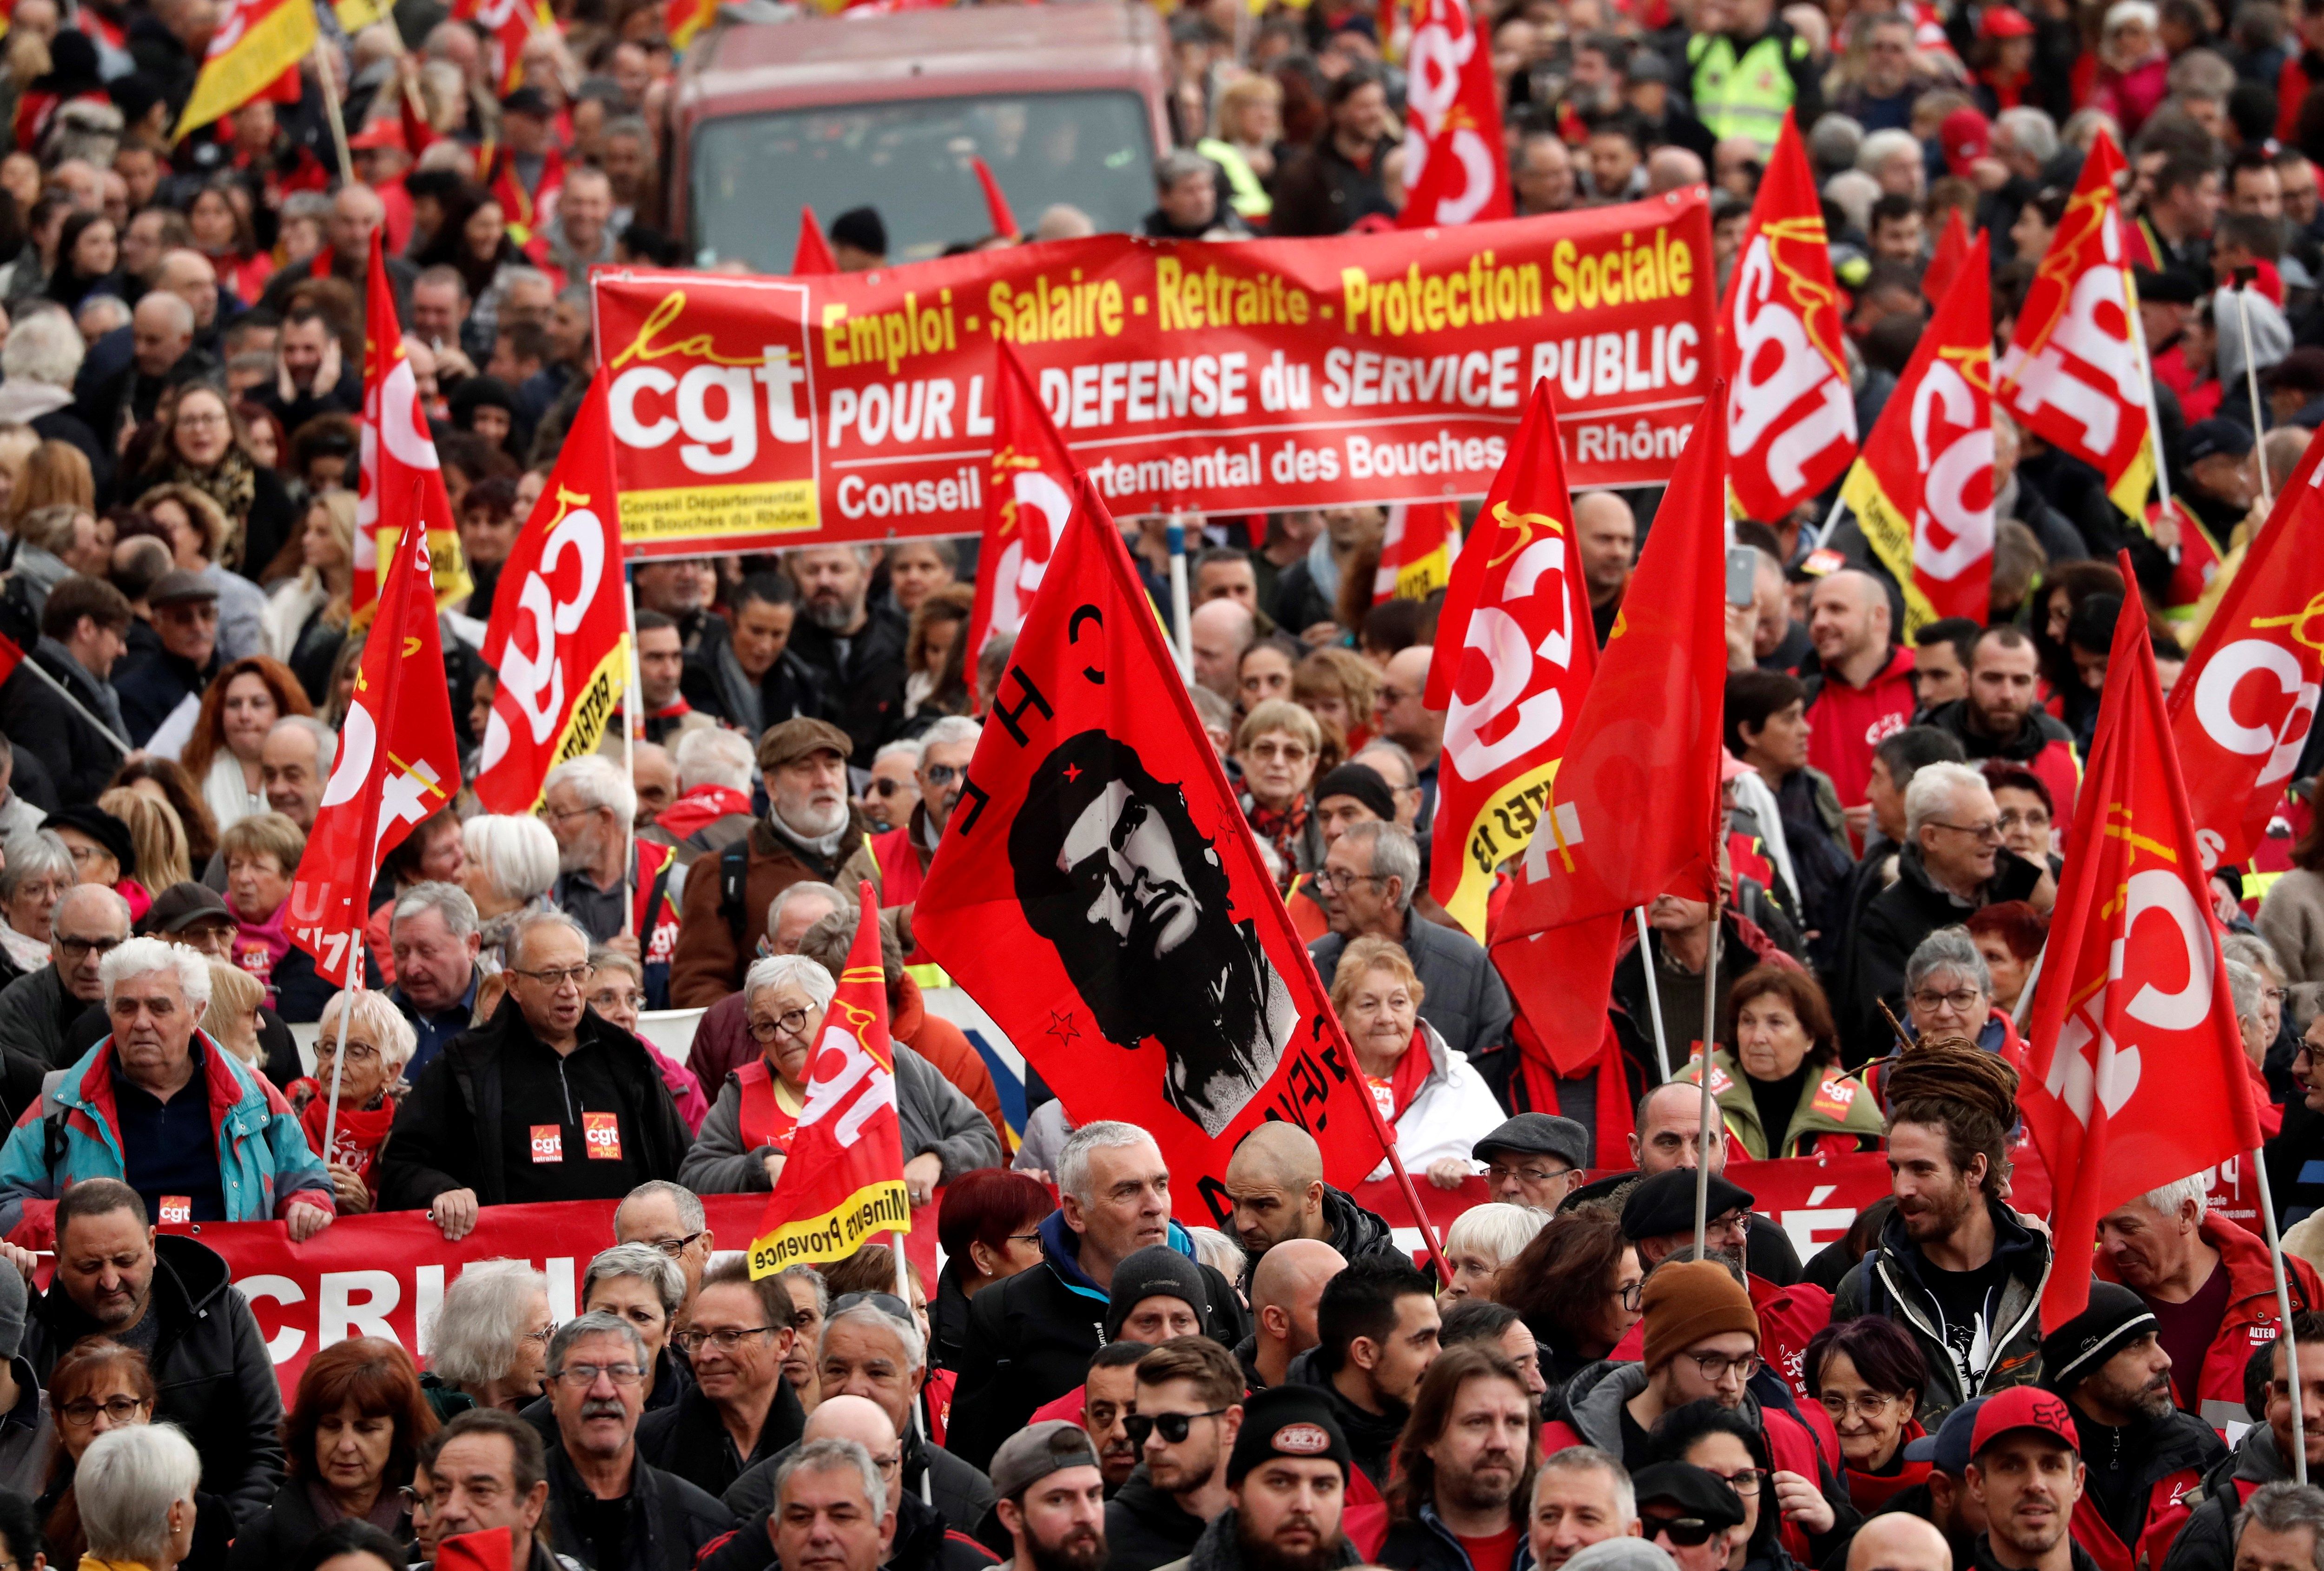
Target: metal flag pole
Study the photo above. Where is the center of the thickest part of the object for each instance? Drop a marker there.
(29, 664)
(1709, 1037)
(2243, 276)
(2283, 1312)
(632, 731)
(1654, 995)
(1181, 610)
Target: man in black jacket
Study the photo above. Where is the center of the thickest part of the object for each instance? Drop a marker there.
(175, 674)
(1030, 1337)
(856, 649)
(1460, 1479)
(2140, 1452)
(170, 1297)
(2206, 1541)
(1189, 1410)
(737, 1409)
(1275, 1180)
(601, 1118)
(1377, 1332)
(605, 1502)
(83, 633)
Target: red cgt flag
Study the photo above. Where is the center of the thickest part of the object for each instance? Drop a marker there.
(811, 258)
(399, 466)
(2135, 1073)
(1634, 808)
(1417, 553)
(2073, 374)
(1098, 892)
(1029, 494)
(1924, 487)
(2244, 706)
(1945, 262)
(1513, 684)
(843, 1179)
(1791, 417)
(559, 633)
(398, 762)
(1456, 172)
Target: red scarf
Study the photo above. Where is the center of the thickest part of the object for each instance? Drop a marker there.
(1403, 1083)
(361, 1131)
(1871, 1490)
(1280, 829)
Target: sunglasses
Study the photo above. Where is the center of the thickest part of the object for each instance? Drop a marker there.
(1686, 1532)
(1175, 1426)
(888, 1304)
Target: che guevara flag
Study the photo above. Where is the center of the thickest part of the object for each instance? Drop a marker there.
(843, 1179)
(2073, 374)
(2135, 1073)
(256, 43)
(1099, 894)
(1456, 171)
(1418, 552)
(2245, 703)
(1633, 810)
(559, 632)
(398, 762)
(1923, 488)
(1512, 685)
(1791, 416)
(397, 456)
(1027, 496)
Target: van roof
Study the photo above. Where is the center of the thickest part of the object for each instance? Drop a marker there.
(926, 53)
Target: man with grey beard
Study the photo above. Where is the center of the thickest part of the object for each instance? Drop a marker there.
(858, 648)
(812, 832)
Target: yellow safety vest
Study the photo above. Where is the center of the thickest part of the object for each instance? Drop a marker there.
(1249, 195)
(1745, 97)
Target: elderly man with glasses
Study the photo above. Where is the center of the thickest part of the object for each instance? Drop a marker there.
(594, 1119)
(738, 1410)
(610, 1505)
(37, 1012)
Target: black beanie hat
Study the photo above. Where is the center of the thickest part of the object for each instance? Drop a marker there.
(1288, 1420)
(1363, 782)
(2114, 1319)
(1158, 1272)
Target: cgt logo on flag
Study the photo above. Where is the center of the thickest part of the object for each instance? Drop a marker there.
(2090, 1066)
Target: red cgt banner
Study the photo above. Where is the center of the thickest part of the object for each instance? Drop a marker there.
(1241, 376)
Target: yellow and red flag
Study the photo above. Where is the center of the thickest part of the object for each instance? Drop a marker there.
(682, 19)
(1922, 487)
(399, 457)
(2075, 372)
(559, 632)
(1417, 553)
(508, 25)
(842, 1180)
(1512, 686)
(258, 45)
(1455, 172)
(1029, 494)
(1791, 414)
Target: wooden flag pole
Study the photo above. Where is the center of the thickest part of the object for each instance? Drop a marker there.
(633, 730)
(331, 108)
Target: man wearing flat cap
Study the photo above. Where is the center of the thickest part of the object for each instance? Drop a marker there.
(2142, 1453)
(1534, 1159)
(171, 674)
(1052, 1498)
(812, 833)
(2221, 479)
(1691, 1514)
(1287, 1483)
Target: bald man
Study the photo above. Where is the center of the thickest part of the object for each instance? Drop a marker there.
(1606, 533)
(1865, 691)
(192, 277)
(357, 213)
(1275, 1180)
(1222, 630)
(1670, 169)
(920, 1544)
(1897, 1541)
(1285, 1288)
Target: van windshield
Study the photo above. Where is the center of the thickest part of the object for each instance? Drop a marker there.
(910, 159)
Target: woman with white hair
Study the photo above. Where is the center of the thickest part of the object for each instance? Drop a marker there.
(1483, 1239)
(137, 1487)
(380, 1043)
(713, 810)
(511, 868)
(643, 1287)
(490, 1345)
(739, 1148)
(40, 869)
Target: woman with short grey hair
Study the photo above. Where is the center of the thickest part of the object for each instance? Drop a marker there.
(135, 1488)
(40, 870)
(512, 865)
(1949, 992)
(643, 1287)
(490, 1343)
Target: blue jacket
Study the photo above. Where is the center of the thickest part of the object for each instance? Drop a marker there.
(74, 1133)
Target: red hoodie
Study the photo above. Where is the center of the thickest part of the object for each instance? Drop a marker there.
(1849, 721)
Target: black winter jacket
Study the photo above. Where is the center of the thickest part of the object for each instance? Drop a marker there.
(1371, 1437)
(1893, 924)
(277, 1537)
(447, 1132)
(963, 1494)
(866, 697)
(686, 1440)
(2124, 1464)
(2206, 1539)
(1887, 1282)
(671, 1520)
(211, 1369)
(1217, 1550)
(1145, 1527)
(1357, 1232)
(1428, 1545)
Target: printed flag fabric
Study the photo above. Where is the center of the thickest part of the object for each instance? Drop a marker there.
(1924, 487)
(1417, 553)
(398, 762)
(2073, 374)
(1456, 171)
(399, 457)
(2135, 1073)
(2244, 706)
(508, 25)
(1029, 494)
(1791, 415)
(1098, 892)
(843, 1179)
(256, 41)
(1513, 684)
(559, 631)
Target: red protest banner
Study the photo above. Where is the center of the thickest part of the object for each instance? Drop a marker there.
(1238, 376)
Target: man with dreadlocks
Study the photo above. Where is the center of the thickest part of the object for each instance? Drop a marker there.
(1954, 1266)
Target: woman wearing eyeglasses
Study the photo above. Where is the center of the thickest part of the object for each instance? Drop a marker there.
(1785, 1518)
(740, 1147)
(989, 1228)
(379, 1044)
(1869, 1375)
(1577, 1286)
(97, 1387)
(350, 1439)
(204, 444)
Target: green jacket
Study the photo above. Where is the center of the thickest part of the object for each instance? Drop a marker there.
(1831, 1103)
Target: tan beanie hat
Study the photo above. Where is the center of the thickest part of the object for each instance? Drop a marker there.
(1685, 1303)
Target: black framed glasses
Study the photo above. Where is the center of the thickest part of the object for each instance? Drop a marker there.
(675, 1248)
(77, 947)
(1174, 1427)
(80, 1414)
(1632, 1294)
(1715, 1366)
(728, 1337)
(789, 1023)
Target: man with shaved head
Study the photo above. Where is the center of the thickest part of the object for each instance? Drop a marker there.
(1606, 535)
(356, 214)
(161, 354)
(1861, 688)
(1286, 1287)
(1899, 1541)
(1221, 630)
(1275, 1180)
